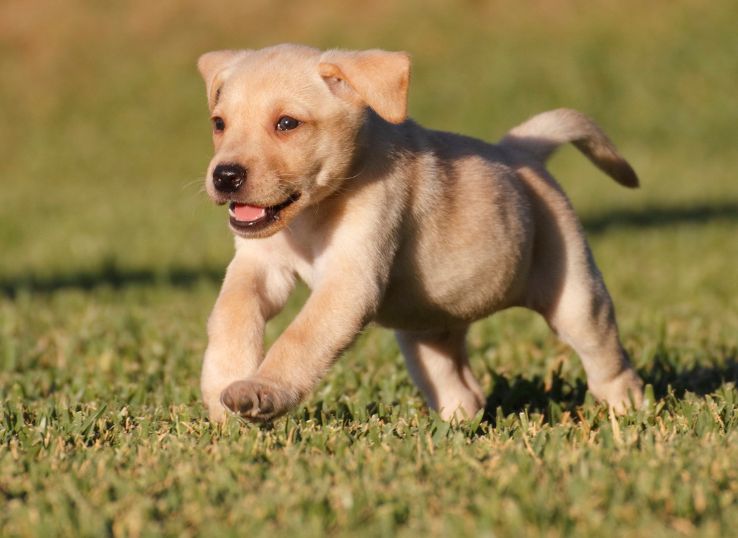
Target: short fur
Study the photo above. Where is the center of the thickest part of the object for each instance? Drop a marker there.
(421, 231)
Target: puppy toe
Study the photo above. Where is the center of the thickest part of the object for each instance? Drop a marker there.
(227, 400)
(266, 406)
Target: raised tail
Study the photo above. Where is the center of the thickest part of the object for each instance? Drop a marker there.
(542, 134)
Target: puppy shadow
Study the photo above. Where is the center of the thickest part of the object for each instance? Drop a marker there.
(108, 273)
(661, 216)
(550, 396)
(701, 379)
(553, 395)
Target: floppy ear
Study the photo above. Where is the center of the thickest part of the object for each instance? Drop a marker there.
(375, 77)
(211, 65)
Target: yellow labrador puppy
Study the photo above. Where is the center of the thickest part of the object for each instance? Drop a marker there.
(422, 231)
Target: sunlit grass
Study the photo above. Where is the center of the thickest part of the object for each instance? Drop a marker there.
(112, 256)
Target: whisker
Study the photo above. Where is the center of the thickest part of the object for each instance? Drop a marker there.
(188, 184)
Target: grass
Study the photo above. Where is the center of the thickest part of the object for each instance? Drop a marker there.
(111, 259)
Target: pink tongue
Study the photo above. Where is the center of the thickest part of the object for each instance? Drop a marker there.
(248, 213)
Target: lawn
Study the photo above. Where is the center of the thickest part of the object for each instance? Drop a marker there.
(111, 258)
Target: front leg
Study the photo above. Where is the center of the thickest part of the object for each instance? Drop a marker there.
(252, 292)
(330, 320)
(355, 239)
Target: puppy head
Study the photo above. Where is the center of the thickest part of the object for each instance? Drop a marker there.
(287, 125)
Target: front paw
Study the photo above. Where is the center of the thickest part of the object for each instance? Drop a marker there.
(257, 400)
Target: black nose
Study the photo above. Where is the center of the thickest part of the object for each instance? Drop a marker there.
(228, 177)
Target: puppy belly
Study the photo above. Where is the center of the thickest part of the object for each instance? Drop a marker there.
(438, 288)
(409, 307)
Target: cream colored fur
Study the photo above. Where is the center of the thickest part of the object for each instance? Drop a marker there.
(421, 231)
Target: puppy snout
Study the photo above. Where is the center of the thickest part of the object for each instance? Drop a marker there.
(228, 177)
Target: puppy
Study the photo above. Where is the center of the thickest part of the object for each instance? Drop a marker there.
(421, 231)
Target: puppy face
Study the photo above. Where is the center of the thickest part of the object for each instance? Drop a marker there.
(286, 126)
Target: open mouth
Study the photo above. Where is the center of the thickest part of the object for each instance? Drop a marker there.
(252, 218)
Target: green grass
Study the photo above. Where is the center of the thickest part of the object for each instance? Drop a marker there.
(111, 259)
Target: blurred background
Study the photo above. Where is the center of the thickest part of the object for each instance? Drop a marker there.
(105, 134)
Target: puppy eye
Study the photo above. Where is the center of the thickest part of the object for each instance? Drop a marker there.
(218, 124)
(287, 123)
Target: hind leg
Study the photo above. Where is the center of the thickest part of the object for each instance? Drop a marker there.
(439, 366)
(582, 315)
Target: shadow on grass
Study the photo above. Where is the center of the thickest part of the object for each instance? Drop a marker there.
(655, 217)
(550, 397)
(110, 275)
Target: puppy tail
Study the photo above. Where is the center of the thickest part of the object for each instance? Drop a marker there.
(542, 134)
